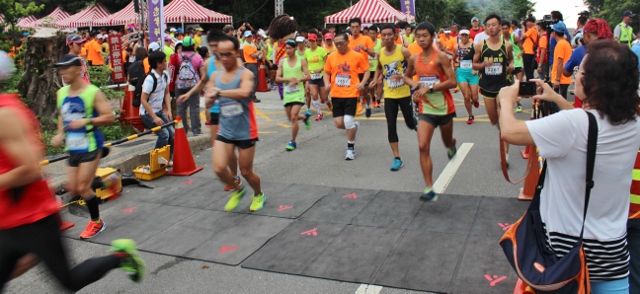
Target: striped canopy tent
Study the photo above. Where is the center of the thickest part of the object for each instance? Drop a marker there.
(1, 18)
(123, 17)
(84, 18)
(369, 11)
(27, 22)
(188, 11)
(50, 20)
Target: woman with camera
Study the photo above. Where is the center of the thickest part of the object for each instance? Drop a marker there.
(607, 81)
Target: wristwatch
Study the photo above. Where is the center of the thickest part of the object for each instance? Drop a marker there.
(430, 88)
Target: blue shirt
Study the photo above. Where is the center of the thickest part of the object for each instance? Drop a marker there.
(576, 58)
(552, 45)
(636, 49)
(212, 67)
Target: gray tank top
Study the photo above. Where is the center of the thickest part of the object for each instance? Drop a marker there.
(237, 116)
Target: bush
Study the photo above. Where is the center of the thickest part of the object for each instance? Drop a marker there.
(111, 133)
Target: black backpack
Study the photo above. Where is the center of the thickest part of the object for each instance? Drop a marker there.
(136, 79)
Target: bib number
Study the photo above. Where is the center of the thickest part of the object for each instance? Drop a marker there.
(343, 80)
(494, 70)
(77, 141)
(232, 109)
(429, 81)
(465, 64)
(395, 84)
(316, 76)
(291, 89)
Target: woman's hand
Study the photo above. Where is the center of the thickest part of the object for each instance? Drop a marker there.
(545, 92)
(509, 95)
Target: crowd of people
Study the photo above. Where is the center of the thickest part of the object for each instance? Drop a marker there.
(401, 67)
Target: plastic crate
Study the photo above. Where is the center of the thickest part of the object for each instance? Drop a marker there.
(112, 180)
(157, 167)
(144, 173)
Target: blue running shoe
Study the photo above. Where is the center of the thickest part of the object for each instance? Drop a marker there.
(397, 164)
(429, 195)
(291, 146)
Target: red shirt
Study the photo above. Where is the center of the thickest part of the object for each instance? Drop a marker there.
(36, 201)
(473, 33)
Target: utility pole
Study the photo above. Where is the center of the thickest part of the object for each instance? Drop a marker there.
(279, 7)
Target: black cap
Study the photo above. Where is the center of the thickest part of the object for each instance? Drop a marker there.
(75, 38)
(628, 13)
(584, 12)
(69, 60)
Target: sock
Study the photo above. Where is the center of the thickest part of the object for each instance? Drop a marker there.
(317, 105)
(351, 144)
(366, 105)
(398, 158)
(94, 210)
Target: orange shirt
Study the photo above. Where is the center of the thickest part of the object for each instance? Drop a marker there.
(85, 49)
(247, 50)
(399, 40)
(145, 64)
(563, 50)
(530, 38)
(361, 40)
(414, 49)
(344, 70)
(95, 54)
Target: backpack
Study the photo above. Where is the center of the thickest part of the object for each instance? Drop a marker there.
(137, 94)
(136, 79)
(187, 76)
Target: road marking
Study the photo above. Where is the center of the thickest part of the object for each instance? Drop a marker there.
(286, 126)
(262, 115)
(440, 185)
(266, 132)
(368, 289)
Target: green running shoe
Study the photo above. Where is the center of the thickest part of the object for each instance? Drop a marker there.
(235, 198)
(258, 202)
(307, 122)
(519, 108)
(133, 263)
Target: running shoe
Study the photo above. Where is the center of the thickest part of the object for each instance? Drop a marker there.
(378, 104)
(351, 154)
(451, 152)
(291, 146)
(93, 229)
(397, 164)
(235, 198)
(132, 263)
(307, 123)
(471, 119)
(476, 104)
(229, 187)
(519, 108)
(429, 195)
(367, 112)
(319, 116)
(329, 105)
(258, 202)
(207, 123)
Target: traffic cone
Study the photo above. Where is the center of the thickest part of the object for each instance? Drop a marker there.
(531, 181)
(183, 163)
(522, 288)
(262, 79)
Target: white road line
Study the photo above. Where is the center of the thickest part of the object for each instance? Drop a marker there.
(368, 289)
(440, 185)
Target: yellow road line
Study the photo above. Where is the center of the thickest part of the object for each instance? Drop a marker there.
(267, 132)
(261, 114)
(286, 126)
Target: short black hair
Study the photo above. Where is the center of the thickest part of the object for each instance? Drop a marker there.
(559, 34)
(304, 30)
(425, 25)
(236, 43)
(343, 35)
(203, 51)
(531, 19)
(215, 35)
(355, 19)
(492, 16)
(373, 28)
(188, 48)
(505, 23)
(388, 27)
(141, 53)
(557, 15)
(156, 57)
(515, 23)
(582, 20)
(402, 24)
(543, 25)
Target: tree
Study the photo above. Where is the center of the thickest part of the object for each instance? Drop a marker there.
(12, 11)
(612, 10)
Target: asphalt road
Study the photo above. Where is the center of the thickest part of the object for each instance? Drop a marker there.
(319, 160)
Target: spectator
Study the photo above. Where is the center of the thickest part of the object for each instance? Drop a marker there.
(189, 70)
(561, 138)
(168, 51)
(251, 56)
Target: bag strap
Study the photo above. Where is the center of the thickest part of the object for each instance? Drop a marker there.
(592, 143)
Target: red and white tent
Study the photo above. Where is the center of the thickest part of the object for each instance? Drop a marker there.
(27, 22)
(123, 17)
(369, 11)
(188, 11)
(84, 18)
(55, 16)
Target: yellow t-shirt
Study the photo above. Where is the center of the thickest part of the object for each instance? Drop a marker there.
(197, 40)
(344, 70)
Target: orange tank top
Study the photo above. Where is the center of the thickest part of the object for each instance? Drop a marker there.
(429, 73)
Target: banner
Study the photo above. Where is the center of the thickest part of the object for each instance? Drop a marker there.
(115, 56)
(408, 7)
(156, 21)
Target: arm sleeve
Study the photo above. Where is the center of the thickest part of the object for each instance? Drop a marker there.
(555, 135)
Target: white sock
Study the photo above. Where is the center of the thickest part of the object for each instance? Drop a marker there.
(317, 105)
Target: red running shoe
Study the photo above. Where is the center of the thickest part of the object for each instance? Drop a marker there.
(93, 229)
(229, 187)
(476, 104)
(470, 120)
(319, 116)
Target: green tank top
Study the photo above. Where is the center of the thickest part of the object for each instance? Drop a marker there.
(303, 55)
(517, 61)
(295, 93)
(86, 139)
(269, 51)
(373, 61)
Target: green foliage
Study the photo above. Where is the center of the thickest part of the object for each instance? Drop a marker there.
(46, 136)
(101, 76)
(612, 10)
(111, 133)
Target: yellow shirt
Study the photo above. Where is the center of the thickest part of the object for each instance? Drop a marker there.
(197, 40)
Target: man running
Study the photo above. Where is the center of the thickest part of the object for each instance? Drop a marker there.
(341, 77)
(515, 41)
(83, 107)
(373, 61)
(232, 85)
(211, 66)
(316, 56)
(391, 65)
(293, 72)
(364, 46)
(29, 222)
(466, 76)
(435, 103)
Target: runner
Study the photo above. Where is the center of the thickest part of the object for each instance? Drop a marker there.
(29, 225)
(211, 66)
(75, 43)
(293, 73)
(373, 61)
(466, 76)
(232, 85)
(328, 43)
(475, 28)
(390, 66)
(435, 103)
(301, 53)
(363, 45)
(515, 41)
(342, 79)
(316, 57)
(83, 107)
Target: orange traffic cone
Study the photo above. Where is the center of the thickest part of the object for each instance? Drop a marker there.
(183, 163)
(531, 181)
(522, 288)
(262, 79)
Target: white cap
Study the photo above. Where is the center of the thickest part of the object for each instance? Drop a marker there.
(101, 36)
(299, 39)
(7, 68)
(173, 30)
(465, 32)
(447, 31)
(154, 46)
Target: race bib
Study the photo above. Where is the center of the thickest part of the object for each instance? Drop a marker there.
(429, 81)
(395, 84)
(466, 64)
(291, 89)
(343, 80)
(231, 109)
(494, 70)
(77, 141)
(316, 76)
